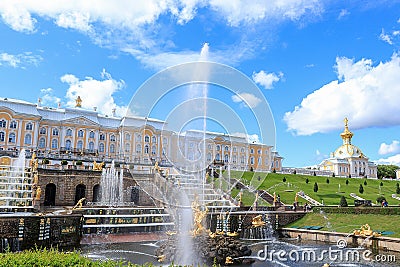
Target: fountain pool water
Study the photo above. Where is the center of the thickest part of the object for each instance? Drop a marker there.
(111, 187)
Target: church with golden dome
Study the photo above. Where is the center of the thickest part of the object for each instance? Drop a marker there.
(348, 160)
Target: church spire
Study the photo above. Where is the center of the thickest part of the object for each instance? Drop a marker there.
(346, 135)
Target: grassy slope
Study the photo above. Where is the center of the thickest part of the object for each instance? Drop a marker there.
(347, 223)
(328, 193)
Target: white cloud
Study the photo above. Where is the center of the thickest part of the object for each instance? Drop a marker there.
(343, 13)
(74, 20)
(393, 160)
(17, 17)
(394, 147)
(385, 37)
(266, 79)
(19, 60)
(248, 99)
(368, 96)
(94, 93)
(48, 99)
(251, 138)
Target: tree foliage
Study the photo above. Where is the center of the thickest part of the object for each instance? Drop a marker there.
(315, 187)
(361, 189)
(387, 171)
(343, 202)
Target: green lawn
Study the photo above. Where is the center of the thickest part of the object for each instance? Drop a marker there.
(347, 223)
(327, 193)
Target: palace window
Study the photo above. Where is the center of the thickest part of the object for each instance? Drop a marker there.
(112, 148)
(127, 137)
(259, 161)
(242, 150)
(146, 149)
(218, 148)
(208, 156)
(153, 150)
(226, 158)
(28, 139)
(80, 133)
(91, 134)
(217, 157)
(102, 137)
(251, 160)
(154, 139)
(54, 144)
(55, 131)
(29, 126)
(3, 123)
(2, 136)
(68, 145)
(138, 148)
(101, 147)
(165, 140)
(69, 132)
(226, 148)
(234, 159)
(42, 130)
(234, 149)
(147, 139)
(242, 159)
(13, 125)
(112, 138)
(127, 147)
(91, 146)
(209, 146)
(251, 150)
(42, 142)
(79, 145)
(138, 138)
(259, 151)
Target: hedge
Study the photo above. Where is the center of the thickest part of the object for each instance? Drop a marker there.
(360, 210)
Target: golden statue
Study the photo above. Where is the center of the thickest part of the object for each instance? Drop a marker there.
(156, 167)
(78, 102)
(365, 230)
(161, 258)
(35, 178)
(38, 193)
(198, 216)
(274, 197)
(79, 204)
(228, 260)
(98, 166)
(296, 197)
(257, 221)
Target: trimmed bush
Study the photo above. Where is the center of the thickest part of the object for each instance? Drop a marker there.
(360, 210)
(327, 180)
(361, 189)
(397, 188)
(284, 179)
(343, 202)
(381, 184)
(315, 187)
(365, 182)
(380, 199)
(45, 161)
(64, 162)
(78, 163)
(347, 182)
(307, 181)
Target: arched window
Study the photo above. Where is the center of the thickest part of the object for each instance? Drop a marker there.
(101, 147)
(79, 145)
(42, 130)
(146, 149)
(209, 146)
(147, 139)
(208, 156)
(102, 137)
(112, 148)
(242, 150)
(55, 131)
(259, 161)
(11, 138)
(68, 144)
(112, 138)
(218, 148)
(242, 159)
(127, 147)
(54, 144)
(153, 150)
(80, 133)
(91, 146)
(91, 134)
(42, 142)
(259, 151)
(69, 132)
(234, 149)
(165, 140)
(13, 125)
(226, 158)
(234, 159)
(251, 160)
(226, 148)
(29, 126)
(217, 157)
(127, 137)
(3, 123)
(138, 138)
(28, 139)
(138, 148)
(2, 137)
(154, 139)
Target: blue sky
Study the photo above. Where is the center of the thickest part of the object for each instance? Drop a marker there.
(315, 62)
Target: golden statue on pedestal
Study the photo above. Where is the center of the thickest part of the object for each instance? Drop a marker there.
(257, 221)
(79, 204)
(365, 230)
(198, 216)
(98, 166)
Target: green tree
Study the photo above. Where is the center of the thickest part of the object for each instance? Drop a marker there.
(387, 171)
(347, 182)
(315, 187)
(307, 181)
(327, 180)
(365, 182)
(284, 179)
(343, 202)
(361, 189)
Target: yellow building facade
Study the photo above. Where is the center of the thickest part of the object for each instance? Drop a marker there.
(62, 133)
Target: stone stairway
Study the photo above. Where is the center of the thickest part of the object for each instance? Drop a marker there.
(309, 199)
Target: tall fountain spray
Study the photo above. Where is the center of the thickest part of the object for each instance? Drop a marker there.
(111, 186)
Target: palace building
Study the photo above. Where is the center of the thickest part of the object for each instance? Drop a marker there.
(76, 134)
(348, 160)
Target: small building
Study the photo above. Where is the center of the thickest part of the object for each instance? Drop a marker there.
(348, 159)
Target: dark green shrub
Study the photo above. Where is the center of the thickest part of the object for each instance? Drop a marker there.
(64, 162)
(343, 202)
(327, 180)
(381, 184)
(307, 181)
(397, 188)
(365, 182)
(315, 187)
(45, 161)
(380, 199)
(333, 174)
(361, 189)
(78, 163)
(347, 182)
(117, 165)
(274, 171)
(284, 179)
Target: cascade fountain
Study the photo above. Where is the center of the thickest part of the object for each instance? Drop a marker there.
(111, 186)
